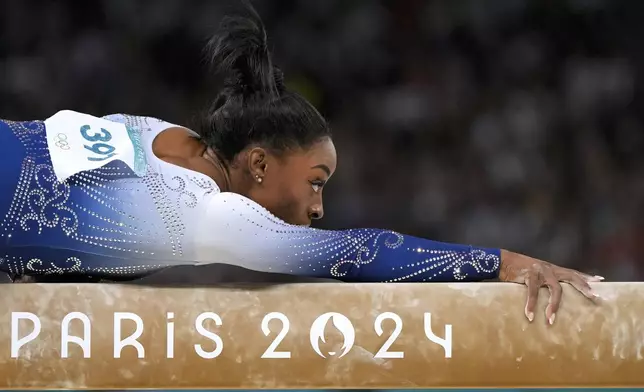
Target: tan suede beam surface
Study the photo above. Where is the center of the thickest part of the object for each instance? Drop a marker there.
(326, 336)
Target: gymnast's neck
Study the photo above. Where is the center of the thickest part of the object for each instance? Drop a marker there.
(178, 147)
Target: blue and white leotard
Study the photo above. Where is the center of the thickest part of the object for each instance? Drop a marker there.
(86, 195)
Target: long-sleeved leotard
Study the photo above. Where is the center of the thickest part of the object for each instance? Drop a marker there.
(264, 243)
(86, 195)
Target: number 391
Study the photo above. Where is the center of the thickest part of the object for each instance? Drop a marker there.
(100, 148)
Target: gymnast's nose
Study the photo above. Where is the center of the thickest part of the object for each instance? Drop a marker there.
(316, 211)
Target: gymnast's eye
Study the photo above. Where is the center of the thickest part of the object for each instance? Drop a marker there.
(317, 186)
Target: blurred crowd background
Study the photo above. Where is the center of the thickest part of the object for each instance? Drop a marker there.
(503, 123)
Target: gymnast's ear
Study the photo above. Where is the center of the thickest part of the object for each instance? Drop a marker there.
(258, 163)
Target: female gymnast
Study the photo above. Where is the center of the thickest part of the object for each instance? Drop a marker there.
(120, 197)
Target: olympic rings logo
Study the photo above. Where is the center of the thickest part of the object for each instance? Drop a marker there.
(61, 142)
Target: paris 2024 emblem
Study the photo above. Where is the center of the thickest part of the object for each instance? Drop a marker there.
(341, 323)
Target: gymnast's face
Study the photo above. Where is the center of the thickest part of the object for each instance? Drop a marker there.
(290, 185)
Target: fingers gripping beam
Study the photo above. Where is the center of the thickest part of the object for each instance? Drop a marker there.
(317, 336)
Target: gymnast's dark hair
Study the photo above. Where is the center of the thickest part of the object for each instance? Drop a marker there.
(254, 107)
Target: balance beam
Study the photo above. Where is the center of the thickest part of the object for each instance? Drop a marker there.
(216, 337)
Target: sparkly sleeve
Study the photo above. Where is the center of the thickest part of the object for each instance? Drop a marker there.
(235, 230)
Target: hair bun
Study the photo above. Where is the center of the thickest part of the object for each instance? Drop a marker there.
(239, 51)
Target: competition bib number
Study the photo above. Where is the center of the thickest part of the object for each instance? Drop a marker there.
(78, 142)
(101, 149)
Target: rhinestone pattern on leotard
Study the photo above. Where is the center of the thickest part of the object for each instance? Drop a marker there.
(105, 211)
(115, 223)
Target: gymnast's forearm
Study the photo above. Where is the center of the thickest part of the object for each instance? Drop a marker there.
(393, 257)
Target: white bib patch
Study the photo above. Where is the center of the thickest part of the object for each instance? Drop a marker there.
(79, 142)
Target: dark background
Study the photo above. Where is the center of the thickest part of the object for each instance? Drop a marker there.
(503, 123)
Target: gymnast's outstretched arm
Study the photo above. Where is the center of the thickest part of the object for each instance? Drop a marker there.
(236, 230)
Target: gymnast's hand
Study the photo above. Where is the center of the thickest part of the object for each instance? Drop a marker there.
(534, 273)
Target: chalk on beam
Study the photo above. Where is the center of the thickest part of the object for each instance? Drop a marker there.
(317, 336)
